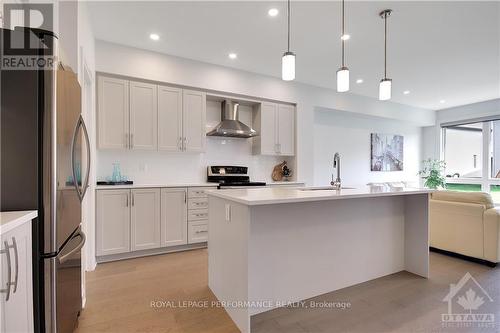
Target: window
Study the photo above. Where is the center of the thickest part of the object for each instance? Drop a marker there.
(464, 187)
(463, 151)
(471, 151)
(495, 193)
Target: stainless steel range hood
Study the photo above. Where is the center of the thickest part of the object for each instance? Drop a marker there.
(230, 126)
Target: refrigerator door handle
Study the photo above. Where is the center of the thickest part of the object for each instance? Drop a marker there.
(87, 143)
(81, 234)
(80, 192)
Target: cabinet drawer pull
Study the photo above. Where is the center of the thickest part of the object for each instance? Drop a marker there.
(126, 201)
(9, 271)
(200, 231)
(133, 200)
(200, 215)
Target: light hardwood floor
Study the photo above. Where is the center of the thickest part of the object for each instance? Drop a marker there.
(119, 297)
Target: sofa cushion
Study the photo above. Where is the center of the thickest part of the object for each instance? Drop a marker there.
(479, 198)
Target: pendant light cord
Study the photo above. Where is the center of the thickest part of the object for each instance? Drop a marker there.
(385, 46)
(343, 33)
(288, 48)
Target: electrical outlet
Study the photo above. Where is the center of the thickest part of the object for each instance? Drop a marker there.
(228, 213)
(143, 167)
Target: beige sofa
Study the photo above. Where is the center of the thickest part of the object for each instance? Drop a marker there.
(466, 223)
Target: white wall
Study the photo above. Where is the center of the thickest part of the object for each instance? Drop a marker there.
(86, 77)
(122, 60)
(349, 134)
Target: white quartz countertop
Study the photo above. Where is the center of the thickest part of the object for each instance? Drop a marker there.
(11, 220)
(138, 185)
(279, 195)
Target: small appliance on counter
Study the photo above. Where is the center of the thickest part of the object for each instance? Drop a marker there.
(230, 176)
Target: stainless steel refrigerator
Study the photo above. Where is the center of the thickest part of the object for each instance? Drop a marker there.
(45, 163)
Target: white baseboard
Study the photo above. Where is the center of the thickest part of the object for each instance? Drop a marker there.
(152, 252)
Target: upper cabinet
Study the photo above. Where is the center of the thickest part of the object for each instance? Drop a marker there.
(276, 126)
(144, 116)
(169, 118)
(113, 113)
(193, 120)
(286, 130)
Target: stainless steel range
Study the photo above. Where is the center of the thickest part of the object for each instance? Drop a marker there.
(230, 176)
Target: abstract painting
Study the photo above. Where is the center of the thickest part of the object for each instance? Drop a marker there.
(387, 152)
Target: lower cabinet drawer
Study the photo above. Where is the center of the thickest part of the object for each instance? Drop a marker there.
(197, 231)
(197, 203)
(197, 214)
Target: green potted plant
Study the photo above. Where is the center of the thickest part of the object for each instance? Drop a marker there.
(433, 173)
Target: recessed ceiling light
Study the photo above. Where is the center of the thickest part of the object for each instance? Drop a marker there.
(406, 92)
(232, 56)
(345, 37)
(442, 101)
(359, 81)
(154, 36)
(273, 12)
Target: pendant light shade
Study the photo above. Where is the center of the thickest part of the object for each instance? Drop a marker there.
(343, 79)
(288, 59)
(288, 66)
(384, 92)
(385, 88)
(343, 71)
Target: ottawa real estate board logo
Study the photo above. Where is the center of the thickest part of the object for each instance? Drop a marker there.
(467, 301)
(27, 41)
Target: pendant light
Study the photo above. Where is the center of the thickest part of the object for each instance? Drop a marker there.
(343, 72)
(288, 60)
(385, 88)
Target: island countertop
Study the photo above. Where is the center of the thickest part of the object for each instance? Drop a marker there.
(269, 196)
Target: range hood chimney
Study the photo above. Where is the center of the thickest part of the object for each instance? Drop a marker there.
(230, 126)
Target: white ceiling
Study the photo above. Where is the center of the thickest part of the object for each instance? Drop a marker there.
(438, 50)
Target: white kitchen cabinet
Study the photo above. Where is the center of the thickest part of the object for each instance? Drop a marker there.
(268, 130)
(143, 116)
(197, 232)
(286, 130)
(194, 106)
(16, 312)
(173, 216)
(276, 126)
(113, 222)
(113, 113)
(169, 118)
(145, 219)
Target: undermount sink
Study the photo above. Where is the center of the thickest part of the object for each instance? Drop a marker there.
(326, 188)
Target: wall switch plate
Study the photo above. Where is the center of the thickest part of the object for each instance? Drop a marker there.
(228, 212)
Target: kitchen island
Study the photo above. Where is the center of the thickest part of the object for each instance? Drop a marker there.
(269, 247)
